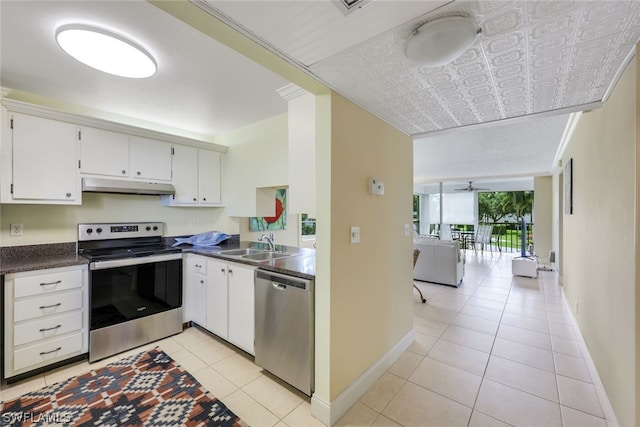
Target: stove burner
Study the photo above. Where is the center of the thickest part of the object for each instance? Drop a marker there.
(100, 242)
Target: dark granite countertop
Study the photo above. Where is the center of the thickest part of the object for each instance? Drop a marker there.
(16, 259)
(302, 265)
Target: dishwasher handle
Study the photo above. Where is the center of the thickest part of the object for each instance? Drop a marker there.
(282, 281)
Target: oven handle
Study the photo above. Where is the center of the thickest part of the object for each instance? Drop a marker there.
(125, 262)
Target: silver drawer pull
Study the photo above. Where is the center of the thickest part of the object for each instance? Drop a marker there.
(50, 329)
(57, 282)
(141, 308)
(42, 307)
(42, 353)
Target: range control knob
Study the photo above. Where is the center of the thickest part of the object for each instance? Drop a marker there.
(148, 228)
(155, 228)
(89, 230)
(99, 230)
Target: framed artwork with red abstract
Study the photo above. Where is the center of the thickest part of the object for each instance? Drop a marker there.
(276, 222)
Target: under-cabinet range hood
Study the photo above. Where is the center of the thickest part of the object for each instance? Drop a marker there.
(105, 185)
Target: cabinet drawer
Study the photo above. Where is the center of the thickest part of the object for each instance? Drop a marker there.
(47, 328)
(198, 266)
(46, 306)
(45, 283)
(53, 349)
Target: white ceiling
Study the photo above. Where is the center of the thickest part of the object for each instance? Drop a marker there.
(512, 184)
(531, 57)
(202, 88)
(503, 149)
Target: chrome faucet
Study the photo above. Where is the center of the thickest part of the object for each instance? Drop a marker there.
(270, 238)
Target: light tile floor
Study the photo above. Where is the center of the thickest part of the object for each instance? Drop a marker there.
(498, 350)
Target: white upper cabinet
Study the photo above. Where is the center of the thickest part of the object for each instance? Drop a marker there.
(44, 154)
(103, 152)
(185, 175)
(45, 162)
(115, 154)
(196, 177)
(149, 159)
(209, 177)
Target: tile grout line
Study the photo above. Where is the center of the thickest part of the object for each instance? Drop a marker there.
(475, 402)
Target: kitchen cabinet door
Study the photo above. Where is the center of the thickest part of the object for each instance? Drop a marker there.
(45, 161)
(241, 306)
(184, 164)
(199, 299)
(217, 302)
(149, 159)
(194, 298)
(209, 177)
(104, 152)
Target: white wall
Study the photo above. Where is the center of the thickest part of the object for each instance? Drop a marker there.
(542, 215)
(367, 286)
(58, 223)
(258, 157)
(600, 243)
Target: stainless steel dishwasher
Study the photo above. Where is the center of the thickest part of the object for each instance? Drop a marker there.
(284, 328)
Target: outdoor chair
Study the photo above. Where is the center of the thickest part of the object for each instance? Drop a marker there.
(483, 237)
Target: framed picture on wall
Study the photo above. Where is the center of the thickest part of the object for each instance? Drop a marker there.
(568, 187)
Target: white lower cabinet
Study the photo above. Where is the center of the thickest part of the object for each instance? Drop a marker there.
(217, 298)
(194, 299)
(225, 307)
(241, 312)
(46, 318)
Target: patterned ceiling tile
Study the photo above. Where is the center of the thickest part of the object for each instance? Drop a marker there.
(531, 57)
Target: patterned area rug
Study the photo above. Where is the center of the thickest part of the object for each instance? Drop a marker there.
(148, 389)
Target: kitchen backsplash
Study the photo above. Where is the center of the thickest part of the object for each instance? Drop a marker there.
(43, 224)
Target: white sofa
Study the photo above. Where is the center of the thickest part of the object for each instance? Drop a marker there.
(440, 261)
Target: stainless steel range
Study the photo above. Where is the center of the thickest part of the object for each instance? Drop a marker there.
(135, 286)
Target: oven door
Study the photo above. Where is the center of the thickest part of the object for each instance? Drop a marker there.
(127, 289)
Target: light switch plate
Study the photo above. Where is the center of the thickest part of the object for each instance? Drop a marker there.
(355, 234)
(376, 187)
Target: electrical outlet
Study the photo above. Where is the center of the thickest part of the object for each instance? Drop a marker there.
(16, 230)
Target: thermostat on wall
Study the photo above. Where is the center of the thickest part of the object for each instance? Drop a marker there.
(376, 187)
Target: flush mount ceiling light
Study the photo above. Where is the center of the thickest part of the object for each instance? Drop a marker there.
(441, 40)
(105, 51)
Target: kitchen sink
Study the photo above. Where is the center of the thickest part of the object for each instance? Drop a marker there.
(256, 254)
(241, 252)
(267, 255)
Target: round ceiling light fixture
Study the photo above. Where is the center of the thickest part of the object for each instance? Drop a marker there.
(441, 40)
(106, 51)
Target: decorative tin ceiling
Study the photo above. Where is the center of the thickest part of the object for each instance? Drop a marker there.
(531, 57)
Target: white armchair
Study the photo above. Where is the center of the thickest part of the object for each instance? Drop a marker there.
(440, 261)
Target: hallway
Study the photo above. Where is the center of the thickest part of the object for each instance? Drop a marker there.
(498, 350)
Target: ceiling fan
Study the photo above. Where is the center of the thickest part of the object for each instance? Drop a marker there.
(470, 187)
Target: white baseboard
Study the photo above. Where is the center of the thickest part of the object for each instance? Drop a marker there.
(607, 409)
(330, 412)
